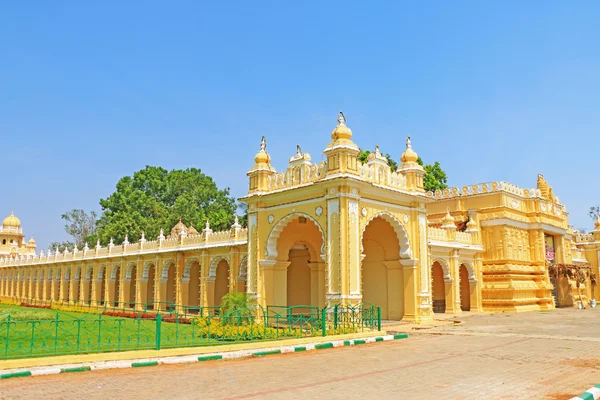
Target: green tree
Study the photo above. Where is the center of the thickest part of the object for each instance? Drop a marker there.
(80, 225)
(154, 199)
(61, 246)
(435, 177)
(363, 158)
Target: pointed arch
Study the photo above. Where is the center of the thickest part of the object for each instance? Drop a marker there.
(77, 274)
(101, 270)
(187, 267)
(243, 268)
(128, 270)
(114, 270)
(445, 268)
(470, 269)
(164, 272)
(88, 272)
(145, 271)
(212, 271)
(403, 240)
(271, 248)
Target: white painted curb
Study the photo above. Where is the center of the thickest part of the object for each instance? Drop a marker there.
(592, 393)
(230, 355)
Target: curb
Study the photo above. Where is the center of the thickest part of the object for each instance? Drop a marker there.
(229, 355)
(592, 393)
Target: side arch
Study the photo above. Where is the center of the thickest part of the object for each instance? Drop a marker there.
(403, 240)
(164, 271)
(470, 269)
(114, 270)
(129, 269)
(445, 267)
(271, 248)
(212, 271)
(187, 268)
(243, 268)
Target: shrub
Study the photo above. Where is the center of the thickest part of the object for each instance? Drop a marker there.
(27, 315)
(237, 309)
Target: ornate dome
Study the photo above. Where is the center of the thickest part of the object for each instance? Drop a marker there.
(341, 131)
(191, 231)
(409, 155)
(448, 221)
(31, 242)
(178, 228)
(11, 221)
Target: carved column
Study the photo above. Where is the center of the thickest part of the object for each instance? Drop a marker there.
(455, 271)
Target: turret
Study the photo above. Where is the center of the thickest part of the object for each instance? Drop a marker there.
(261, 171)
(411, 169)
(342, 152)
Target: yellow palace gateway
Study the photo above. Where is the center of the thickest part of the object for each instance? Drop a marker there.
(337, 232)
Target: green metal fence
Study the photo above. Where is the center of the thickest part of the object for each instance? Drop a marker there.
(121, 330)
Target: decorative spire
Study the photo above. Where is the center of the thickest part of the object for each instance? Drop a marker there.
(143, 238)
(86, 247)
(299, 151)
(341, 118)
(236, 223)
(263, 144)
(161, 236)
(126, 241)
(111, 243)
(341, 131)
(448, 220)
(98, 244)
(408, 145)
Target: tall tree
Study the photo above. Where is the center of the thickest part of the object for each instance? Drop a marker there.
(435, 177)
(154, 199)
(80, 225)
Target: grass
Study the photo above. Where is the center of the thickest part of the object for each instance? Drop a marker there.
(78, 333)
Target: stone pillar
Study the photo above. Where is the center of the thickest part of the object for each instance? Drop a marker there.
(395, 289)
(204, 271)
(451, 303)
(409, 280)
(274, 275)
(352, 271)
(455, 271)
(475, 286)
(179, 290)
(209, 291)
(425, 304)
(139, 285)
(317, 284)
(333, 252)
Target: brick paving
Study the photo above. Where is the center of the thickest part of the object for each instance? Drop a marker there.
(504, 356)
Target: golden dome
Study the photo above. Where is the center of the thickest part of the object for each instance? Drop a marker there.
(341, 131)
(597, 224)
(409, 155)
(262, 157)
(31, 242)
(11, 221)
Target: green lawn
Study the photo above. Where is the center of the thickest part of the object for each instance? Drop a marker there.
(79, 333)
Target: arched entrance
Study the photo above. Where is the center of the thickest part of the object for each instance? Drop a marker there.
(194, 284)
(465, 289)
(221, 281)
(168, 281)
(132, 282)
(294, 267)
(438, 288)
(298, 276)
(384, 242)
(149, 277)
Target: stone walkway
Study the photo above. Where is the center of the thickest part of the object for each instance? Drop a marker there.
(550, 355)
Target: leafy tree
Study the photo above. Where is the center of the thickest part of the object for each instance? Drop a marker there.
(363, 158)
(435, 177)
(61, 246)
(154, 199)
(80, 225)
(594, 213)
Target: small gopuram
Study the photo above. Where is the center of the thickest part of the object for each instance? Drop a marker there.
(12, 239)
(340, 231)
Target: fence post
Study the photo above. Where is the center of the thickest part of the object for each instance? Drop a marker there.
(379, 318)
(158, 323)
(335, 316)
(323, 322)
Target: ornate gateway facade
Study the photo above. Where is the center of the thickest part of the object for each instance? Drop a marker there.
(342, 231)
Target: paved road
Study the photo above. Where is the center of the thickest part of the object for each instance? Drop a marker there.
(501, 356)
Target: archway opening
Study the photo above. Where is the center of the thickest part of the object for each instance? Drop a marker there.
(298, 276)
(132, 286)
(299, 265)
(465, 289)
(438, 288)
(382, 282)
(221, 281)
(170, 285)
(117, 286)
(194, 285)
(150, 287)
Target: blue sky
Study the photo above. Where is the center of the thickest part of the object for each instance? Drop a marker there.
(93, 91)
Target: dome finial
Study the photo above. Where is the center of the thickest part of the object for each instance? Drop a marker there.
(341, 118)
(263, 144)
(341, 131)
(409, 156)
(408, 145)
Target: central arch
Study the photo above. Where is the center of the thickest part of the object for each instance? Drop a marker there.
(295, 269)
(384, 244)
(218, 280)
(440, 274)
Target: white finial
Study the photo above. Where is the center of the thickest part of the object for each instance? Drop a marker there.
(377, 149)
(263, 144)
(111, 242)
(299, 151)
(126, 241)
(143, 238)
(207, 224)
(237, 221)
(56, 250)
(75, 249)
(42, 253)
(162, 235)
(408, 145)
(98, 244)
(86, 247)
(341, 118)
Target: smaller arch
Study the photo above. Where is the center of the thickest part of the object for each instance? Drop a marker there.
(243, 268)
(129, 269)
(212, 272)
(403, 240)
(271, 248)
(67, 274)
(187, 267)
(470, 269)
(114, 270)
(445, 268)
(77, 274)
(88, 272)
(164, 273)
(101, 269)
(50, 274)
(146, 269)
(58, 274)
